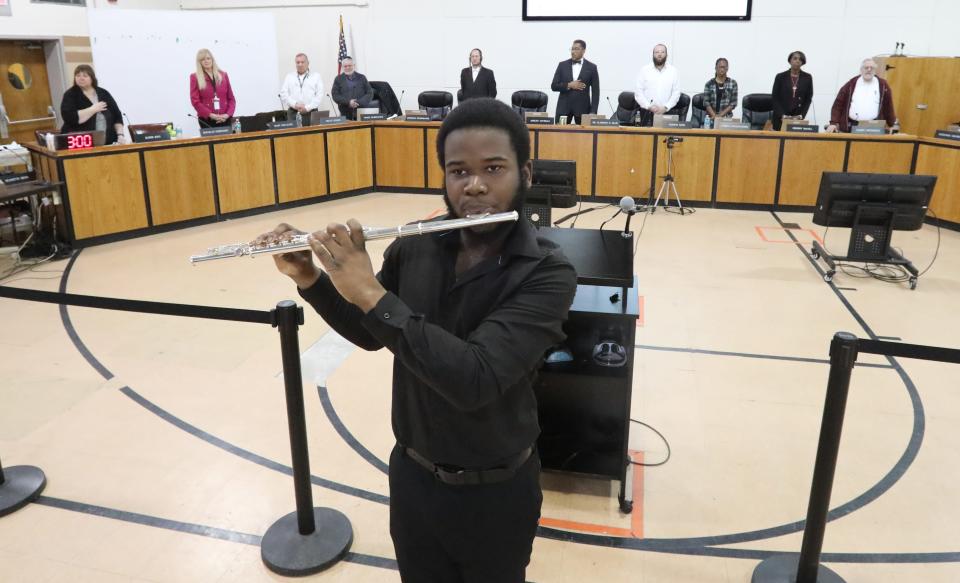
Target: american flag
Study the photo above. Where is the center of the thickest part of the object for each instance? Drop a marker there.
(343, 48)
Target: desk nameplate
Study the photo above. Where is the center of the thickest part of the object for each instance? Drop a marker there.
(373, 116)
(141, 137)
(416, 118)
(803, 129)
(216, 131)
(605, 122)
(947, 135)
(735, 126)
(327, 121)
(868, 131)
(282, 125)
(539, 121)
(17, 177)
(678, 125)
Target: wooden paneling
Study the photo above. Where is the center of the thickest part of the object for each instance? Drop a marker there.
(180, 184)
(944, 163)
(692, 167)
(244, 175)
(576, 146)
(399, 157)
(880, 156)
(930, 82)
(804, 162)
(434, 172)
(351, 160)
(624, 164)
(106, 194)
(301, 166)
(748, 170)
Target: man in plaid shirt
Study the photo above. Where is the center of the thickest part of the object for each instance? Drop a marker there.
(720, 93)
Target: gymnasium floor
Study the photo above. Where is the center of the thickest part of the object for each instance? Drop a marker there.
(165, 445)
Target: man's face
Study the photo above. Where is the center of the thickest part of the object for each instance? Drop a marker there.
(722, 67)
(302, 65)
(868, 70)
(348, 67)
(576, 51)
(659, 55)
(475, 58)
(481, 174)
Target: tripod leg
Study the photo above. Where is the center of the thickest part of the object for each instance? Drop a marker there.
(673, 187)
(663, 188)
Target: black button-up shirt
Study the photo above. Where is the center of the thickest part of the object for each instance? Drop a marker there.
(466, 348)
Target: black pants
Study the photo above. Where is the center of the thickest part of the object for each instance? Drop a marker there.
(469, 534)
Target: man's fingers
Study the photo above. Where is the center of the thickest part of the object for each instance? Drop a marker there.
(356, 233)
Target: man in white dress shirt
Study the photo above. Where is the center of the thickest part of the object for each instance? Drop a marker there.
(863, 98)
(302, 90)
(658, 86)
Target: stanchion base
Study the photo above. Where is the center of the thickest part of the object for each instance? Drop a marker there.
(23, 485)
(783, 569)
(287, 552)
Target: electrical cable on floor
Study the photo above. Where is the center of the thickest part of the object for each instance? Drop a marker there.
(665, 442)
(884, 272)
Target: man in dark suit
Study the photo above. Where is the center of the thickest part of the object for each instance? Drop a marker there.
(351, 90)
(578, 82)
(477, 80)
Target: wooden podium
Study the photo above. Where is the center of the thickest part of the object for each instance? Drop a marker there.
(925, 91)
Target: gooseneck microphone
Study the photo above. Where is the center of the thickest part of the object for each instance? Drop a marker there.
(613, 111)
(629, 207)
(201, 120)
(333, 105)
(282, 104)
(400, 101)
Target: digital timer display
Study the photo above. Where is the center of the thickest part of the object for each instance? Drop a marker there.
(79, 141)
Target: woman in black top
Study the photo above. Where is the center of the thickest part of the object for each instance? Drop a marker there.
(87, 107)
(792, 90)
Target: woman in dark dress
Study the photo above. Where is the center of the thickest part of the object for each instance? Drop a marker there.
(792, 90)
(87, 107)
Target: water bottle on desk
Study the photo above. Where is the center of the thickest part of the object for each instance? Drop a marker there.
(236, 125)
(299, 120)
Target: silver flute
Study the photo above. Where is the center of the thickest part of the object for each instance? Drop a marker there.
(299, 242)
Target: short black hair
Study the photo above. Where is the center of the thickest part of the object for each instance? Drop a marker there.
(803, 57)
(484, 112)
(582, 43)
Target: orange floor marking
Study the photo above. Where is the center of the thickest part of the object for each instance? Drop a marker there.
(639, 310)
(636, 517)
(764, 237)
(436, 213)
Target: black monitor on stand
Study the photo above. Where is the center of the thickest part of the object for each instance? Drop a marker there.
(872, 206)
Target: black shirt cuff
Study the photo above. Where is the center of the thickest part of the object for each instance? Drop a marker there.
(387, 318)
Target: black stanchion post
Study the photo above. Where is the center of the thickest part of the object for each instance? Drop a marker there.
(310, 539)
(19, 486)
(806, 567)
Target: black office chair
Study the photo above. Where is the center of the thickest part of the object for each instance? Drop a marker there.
(627, 108)
(437, 104)
(757, 109)
(526, 100)
(384, 98)
(459, 96)
(698, 109)
(680, 109)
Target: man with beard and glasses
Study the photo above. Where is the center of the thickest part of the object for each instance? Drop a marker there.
(658, 87)
(468, 315)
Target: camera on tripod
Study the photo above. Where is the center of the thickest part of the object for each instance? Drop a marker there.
(671, 140)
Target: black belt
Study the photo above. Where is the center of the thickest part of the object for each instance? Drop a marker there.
(466, 477)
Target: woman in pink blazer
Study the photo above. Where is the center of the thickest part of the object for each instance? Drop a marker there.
(210, 92)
